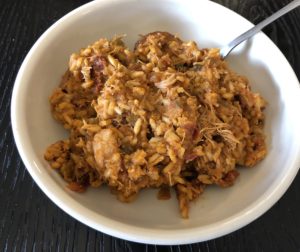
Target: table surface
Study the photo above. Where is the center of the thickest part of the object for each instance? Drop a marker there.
(29, 221)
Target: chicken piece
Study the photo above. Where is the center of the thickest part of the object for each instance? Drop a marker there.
(107, 154)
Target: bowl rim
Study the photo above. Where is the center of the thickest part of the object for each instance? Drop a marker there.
(126, 231)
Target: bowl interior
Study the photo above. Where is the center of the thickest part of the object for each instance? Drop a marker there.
(221, 210)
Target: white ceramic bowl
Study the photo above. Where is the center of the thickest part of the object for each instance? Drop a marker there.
(148, 220)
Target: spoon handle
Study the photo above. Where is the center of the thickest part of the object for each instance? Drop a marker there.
(228, 48)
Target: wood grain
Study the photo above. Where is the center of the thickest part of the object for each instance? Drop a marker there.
(29, 221)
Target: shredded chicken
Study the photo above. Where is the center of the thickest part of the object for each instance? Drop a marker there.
(165, 115)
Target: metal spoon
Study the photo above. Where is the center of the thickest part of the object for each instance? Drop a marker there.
(225, 50)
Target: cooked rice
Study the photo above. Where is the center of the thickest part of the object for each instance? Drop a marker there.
(166, 114)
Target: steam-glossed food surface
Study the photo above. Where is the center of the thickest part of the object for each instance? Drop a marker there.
(165, 115)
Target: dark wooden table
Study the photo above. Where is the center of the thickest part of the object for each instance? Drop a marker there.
(29, 221)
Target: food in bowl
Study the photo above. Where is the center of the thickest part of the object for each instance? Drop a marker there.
(165, 115)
